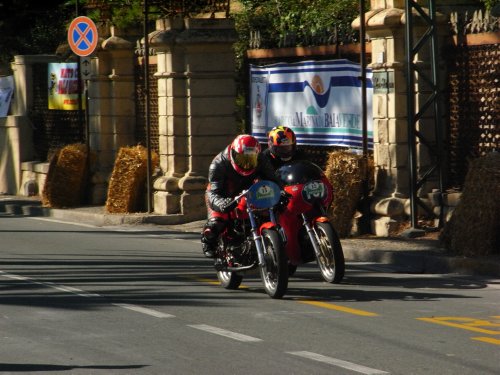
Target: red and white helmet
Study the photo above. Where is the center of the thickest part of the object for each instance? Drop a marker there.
(243, 153)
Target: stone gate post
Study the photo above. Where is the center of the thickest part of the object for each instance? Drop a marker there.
(111, 109)
(196, 98)
(385, 25)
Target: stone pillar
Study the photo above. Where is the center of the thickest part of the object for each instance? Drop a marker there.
(196, 98)
(16, 130)
(111, 109)
(385, 25)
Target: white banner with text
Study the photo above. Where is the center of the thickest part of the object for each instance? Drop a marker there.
(319, 100)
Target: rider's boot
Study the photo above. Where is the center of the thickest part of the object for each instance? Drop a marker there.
(207, 243)
(210, 235)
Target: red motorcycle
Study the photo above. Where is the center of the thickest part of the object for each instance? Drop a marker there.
(310, 234)
(253, 239)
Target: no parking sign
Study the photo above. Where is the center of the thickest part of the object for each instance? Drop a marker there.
(82, 36)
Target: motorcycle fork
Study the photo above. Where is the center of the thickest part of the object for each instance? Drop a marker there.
(313, 236)
(257, 238)
(281, 231)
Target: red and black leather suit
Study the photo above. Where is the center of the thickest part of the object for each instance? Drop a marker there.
(224, 183)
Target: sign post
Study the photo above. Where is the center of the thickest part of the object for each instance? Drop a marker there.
(82, 39)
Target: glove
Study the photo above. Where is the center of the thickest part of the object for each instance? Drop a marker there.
(284, 199)
(229, 205)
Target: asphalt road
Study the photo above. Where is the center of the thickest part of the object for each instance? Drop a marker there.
(79, 299)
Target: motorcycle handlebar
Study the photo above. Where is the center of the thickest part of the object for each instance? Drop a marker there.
(236, 199)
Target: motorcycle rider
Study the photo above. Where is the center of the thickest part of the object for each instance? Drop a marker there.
(233, 170)
(282, 147)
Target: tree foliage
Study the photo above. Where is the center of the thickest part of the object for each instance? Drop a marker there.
(489, 4)
(299, 22)
(31, 27)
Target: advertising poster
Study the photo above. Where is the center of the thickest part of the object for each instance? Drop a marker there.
(319, 100)
(6, 91)
(63, 86)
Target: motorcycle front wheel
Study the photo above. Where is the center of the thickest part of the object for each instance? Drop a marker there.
(331, 257)
(274, 272)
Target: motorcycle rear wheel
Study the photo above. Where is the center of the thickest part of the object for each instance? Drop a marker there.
(274, 272)
(331, 260)
(229, 280)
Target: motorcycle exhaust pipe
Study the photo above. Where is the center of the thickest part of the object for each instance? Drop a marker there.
(242, 268)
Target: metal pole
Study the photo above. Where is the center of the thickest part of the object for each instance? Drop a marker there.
(362, 37)
(80, 87)
(146, 100)
(365, 201)
(410, 112)
(437, 111)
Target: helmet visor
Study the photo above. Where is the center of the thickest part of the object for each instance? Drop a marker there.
(284, 151)
(246, 161)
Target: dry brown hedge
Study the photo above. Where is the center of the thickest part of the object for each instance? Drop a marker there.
(66, 177)
(347, 172)
(474, 228)
(127, 184)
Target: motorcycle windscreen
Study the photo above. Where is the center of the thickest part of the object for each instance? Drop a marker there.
(263, 194)
(299, 172)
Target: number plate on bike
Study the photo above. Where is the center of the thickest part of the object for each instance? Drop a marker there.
(263, 194)
(314, 190)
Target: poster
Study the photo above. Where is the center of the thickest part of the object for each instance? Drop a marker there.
(63, 86)
(6, 92)
(319, 100)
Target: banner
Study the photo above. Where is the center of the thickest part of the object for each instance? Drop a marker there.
(319, 100)
(63, 86)
(6, 92)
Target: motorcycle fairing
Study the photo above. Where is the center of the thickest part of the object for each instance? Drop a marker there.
(291, 224)
(297, 177)
(263, 194)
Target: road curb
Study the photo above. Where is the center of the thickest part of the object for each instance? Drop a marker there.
(426, 261)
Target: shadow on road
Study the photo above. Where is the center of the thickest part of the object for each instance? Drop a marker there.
(25, 367)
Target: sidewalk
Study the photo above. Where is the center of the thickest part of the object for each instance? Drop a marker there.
(419, 255)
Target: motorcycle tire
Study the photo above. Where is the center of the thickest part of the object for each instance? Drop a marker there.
(229, 280)
(274, 272)
(331, 260)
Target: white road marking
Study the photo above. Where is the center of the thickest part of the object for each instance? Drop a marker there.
(117, 229)
(223, 332)
(144, 310)
(82, 293)
(63, 222)
(338, 362)
(67, 289)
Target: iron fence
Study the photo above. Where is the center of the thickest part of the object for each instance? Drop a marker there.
(474, 106)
